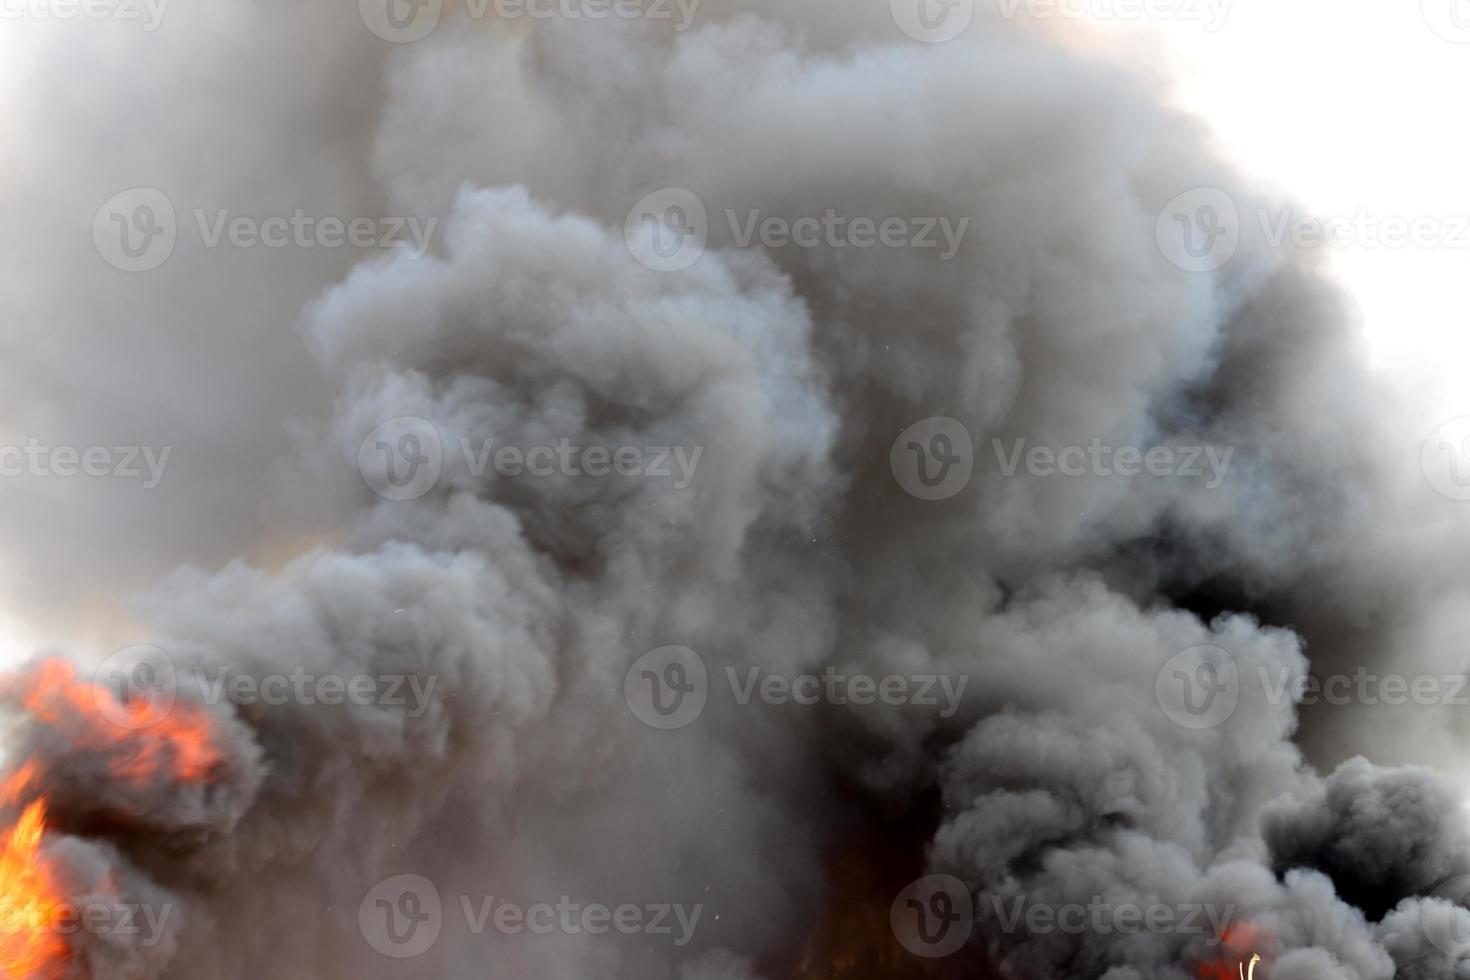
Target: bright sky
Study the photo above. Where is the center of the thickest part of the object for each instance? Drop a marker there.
(1355, 105)
(15, 643)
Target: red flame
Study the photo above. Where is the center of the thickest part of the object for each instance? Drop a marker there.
(140, 741)
(1231, 959)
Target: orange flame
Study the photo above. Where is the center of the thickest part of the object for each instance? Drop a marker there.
(1238, 953)
(141, 740)
(175, 738)
(30, 901)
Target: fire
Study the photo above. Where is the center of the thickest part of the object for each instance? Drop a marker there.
(139, 741)
(1236, 956)
(30, 900)
(154, 737)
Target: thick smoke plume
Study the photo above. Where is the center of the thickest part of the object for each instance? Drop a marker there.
(517, 605)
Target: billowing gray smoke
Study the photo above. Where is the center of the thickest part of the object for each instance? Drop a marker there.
(1066, 771)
